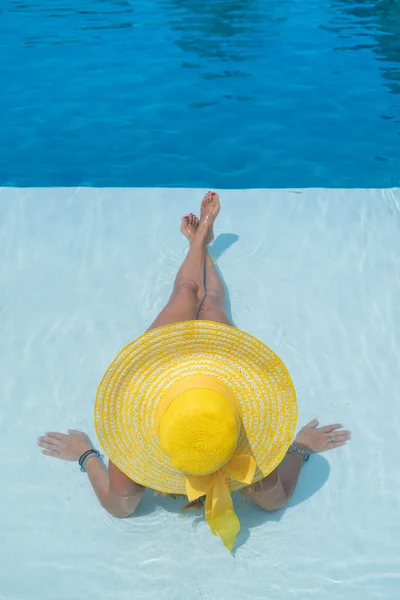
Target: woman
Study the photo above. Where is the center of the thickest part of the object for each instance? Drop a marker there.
(198, 295)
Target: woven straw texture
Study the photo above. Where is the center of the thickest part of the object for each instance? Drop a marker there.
(134, 383)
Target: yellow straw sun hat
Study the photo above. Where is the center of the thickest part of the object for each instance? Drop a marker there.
(197, 408)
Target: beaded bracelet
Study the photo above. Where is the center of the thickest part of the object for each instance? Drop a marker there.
(83, 456)
(86, 455)
(304, 453)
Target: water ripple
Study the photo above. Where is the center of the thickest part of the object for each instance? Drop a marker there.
(258, 89)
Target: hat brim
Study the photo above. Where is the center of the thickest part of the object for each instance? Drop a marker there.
(133, 385)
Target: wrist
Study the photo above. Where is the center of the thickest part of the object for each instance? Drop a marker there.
(86, 456)
(88, 462)
(302, 452)
(301, 445)
(84, 451)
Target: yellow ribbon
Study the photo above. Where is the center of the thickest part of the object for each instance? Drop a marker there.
(219, 511)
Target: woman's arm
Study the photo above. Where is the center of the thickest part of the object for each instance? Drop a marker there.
(118, 494)
(273, 492)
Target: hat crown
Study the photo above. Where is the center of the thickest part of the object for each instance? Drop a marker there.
(199, 431)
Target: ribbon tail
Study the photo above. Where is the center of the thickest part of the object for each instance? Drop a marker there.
(198, 486)
(241, 467)
(219, 512)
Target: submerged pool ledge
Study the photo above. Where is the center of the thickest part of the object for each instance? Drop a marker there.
(314, 273)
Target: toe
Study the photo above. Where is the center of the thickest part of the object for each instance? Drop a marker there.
(210, 197)
(185, 225)
(206, 199)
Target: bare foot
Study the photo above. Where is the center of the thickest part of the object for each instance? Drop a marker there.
(189, 225)
(210, 207)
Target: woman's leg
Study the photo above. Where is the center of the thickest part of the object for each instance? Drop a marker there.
(183, 305)
(188, 289)
(213, 305)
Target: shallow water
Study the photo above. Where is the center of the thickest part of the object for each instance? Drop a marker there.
(192, 93)
(315, 275)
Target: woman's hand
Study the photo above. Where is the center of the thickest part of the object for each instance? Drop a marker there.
(320, 439)
(66, 447)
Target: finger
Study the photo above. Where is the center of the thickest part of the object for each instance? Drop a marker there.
(313, 423)
(341, 435)
(46, 445)
(337, 441)
(329, 428)
(55, 434)
(49, 440)
(337, 444)
(50, 453)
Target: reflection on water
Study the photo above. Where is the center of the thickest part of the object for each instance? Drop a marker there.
(221, 31)
(85, 16)
(378, 25)
(229, 30)
(126, 92)
(239, 31)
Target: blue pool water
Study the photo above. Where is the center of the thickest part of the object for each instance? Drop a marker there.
(190, 93)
